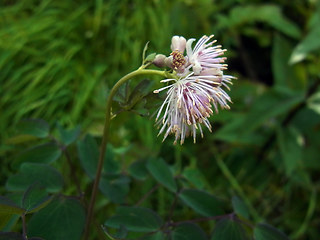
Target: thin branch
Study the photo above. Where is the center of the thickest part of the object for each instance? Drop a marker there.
(24, 227)
(144, 197)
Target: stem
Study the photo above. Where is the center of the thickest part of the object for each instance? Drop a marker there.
(24, 227)
(138, 72)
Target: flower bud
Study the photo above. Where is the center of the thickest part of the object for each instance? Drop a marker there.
(159, 60)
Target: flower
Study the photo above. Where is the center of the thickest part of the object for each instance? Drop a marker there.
(191, 95)
(204, 56)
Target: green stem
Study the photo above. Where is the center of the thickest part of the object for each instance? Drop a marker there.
(138, 72)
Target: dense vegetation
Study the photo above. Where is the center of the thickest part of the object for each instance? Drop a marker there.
(259, 168)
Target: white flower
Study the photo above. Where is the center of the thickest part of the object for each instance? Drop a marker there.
(188, 104)
(193, 94)
(204, 55)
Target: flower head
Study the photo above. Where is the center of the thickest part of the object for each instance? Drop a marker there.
(191, 95)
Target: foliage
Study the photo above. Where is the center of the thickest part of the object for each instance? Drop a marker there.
(255, 177)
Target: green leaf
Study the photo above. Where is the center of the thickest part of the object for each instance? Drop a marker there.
(188, 231)
(155, 236)
(202, 202)
(121, 234)
(35, 198)
(44, 153)
(15, 236)
(162, 173)
(290, 143)
(227, 229)
(240, 207)
(7, 210)
(150, 57)
(270, 14)
(35, 127)
(269, 105)
(8, 207)
(138, 170)
(195, 176)
(136, 219)
(68, 136)
(115, 187)
(63, 218)
(88, 152)
(267, 232)
(314, 102)
(284, 74)
(31, 173)
(309, 43)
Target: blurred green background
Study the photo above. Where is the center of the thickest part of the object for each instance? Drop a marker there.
(59, 59)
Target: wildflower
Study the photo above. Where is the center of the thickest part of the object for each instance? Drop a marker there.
(191, 95)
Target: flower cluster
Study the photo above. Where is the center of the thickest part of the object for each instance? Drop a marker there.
(195, 89)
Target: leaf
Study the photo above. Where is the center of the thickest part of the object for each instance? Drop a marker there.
(202, 202)
(154, 236)
(15, 236)
(313, 102)
(284, 74)
(136, 219)
(227, 229)
(138, 170)
(121, 234)
(88, 152)
(68, 136)
(290, 143)
(31, 173)
(308, 44)
(267, 13)
(8, 207)
(115, 187)
(266, 232)
(35, 198)
(63, 218)
(188, 231)
(7, 210)
(240, 207)
(150, 57)
(195, 176)
(35, 127)
(162, 173)
(269, 105)
(44, 153)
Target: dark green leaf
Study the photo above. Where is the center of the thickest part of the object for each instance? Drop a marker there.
(308, 44)
(121, 234)
(195, 176)
(88, 152)
(31, 173)
(136, 219)
(290, 142)
(68, 136)
(7, 210)
(267, 232)
(63, 218)
(35, 198)
(8, 207)
(227, 229)
(162, 173)
(155, 236)
(115, 187)
(45, 153)
(283, 73)
(35, 127)
(138, 170)
(10, 236)
(188, 231)
(240, 207)
(202, 202)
